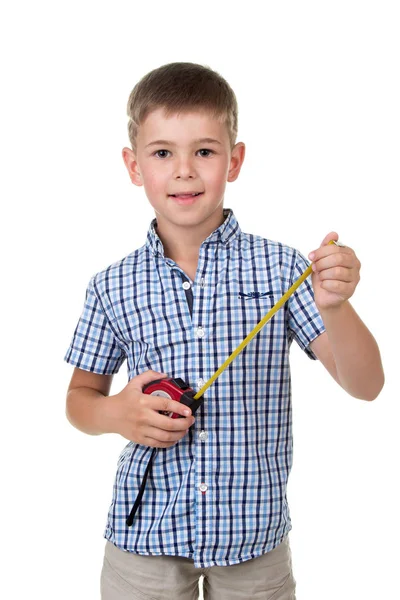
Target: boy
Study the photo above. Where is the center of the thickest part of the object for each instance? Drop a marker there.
(215, 500)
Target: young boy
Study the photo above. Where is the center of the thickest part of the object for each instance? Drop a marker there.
(215, 500)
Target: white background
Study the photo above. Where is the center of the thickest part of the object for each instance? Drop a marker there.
(318, 91)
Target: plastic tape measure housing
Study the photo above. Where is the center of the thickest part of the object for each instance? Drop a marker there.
(174, 389)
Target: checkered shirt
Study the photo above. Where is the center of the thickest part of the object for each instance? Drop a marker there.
(218, 496)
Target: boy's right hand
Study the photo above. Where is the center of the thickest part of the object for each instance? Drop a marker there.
(136, 415)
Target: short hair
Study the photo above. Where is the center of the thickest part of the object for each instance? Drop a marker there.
(181, 87)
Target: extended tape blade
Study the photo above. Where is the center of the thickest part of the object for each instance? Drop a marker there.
(256, 329)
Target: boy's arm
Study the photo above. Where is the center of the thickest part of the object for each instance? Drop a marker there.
(347, 349)
(350, 354)
(88, 401)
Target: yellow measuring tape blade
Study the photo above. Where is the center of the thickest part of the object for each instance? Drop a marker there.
(257, 328)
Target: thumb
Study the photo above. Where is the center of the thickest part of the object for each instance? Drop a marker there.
(328, 238)
(147, 377)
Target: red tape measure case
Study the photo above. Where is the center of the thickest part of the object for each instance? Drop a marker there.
(174, 389)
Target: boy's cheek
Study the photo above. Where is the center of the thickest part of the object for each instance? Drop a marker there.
(153, 187)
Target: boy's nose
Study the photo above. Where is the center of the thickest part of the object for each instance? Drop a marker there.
(184, 169)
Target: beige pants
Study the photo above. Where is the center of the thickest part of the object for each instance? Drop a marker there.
(127, 575)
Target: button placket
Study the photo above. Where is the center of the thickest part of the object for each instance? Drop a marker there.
(200, 323)
(187, 287)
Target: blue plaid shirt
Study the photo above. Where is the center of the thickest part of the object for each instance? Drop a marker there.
(218, 496)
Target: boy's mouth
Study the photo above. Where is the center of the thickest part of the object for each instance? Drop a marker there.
(186, 195)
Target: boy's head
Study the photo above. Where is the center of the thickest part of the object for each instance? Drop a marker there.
(183, 128)
(182, 87)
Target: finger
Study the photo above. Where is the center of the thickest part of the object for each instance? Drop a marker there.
(337, 287)
(166, 437)
(159, 403)
(149, 441)
(337, 274)
(330, 250)
(336, 259)
(155, 442)
(329, 237)
(155, 419)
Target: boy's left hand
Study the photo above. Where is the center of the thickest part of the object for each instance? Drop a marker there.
(336, 273)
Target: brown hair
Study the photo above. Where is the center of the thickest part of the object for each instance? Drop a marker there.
(179, 87)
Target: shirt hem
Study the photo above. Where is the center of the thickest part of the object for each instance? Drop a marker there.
(205, 563)
(90, 369)
(305, 344)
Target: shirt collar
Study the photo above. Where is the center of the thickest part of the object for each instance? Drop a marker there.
(225, 233)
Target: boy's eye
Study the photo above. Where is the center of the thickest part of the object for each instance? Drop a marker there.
(158, 152)
(163, 153)
(206, 150)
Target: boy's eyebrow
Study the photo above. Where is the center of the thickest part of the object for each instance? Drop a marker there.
(200, 141)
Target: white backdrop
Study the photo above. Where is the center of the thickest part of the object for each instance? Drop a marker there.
(318, 91)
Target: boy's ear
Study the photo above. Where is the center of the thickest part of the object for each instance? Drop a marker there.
(237, 158)
(132, 166)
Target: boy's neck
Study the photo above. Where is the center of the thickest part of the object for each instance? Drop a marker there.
(182, 244)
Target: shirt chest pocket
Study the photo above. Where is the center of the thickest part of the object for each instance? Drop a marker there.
(246, 307)
(252, 306)
(232, 324)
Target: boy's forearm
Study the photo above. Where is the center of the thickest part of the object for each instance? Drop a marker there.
(89, 410)
(357, 357)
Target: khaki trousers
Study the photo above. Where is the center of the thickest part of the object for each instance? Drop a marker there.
(126, 575)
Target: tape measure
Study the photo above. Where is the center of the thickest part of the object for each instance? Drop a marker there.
(176, 389)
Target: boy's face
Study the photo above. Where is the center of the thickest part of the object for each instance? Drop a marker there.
(184, 154)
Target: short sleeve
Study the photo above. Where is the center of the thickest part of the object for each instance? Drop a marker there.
(305, 322)
(94, 346)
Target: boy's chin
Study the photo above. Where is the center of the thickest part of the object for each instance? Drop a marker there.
(190, 218)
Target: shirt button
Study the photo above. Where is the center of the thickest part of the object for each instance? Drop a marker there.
(203, 435)
(203, 488)
(200, 332)
(199, 384)
(186, 285)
